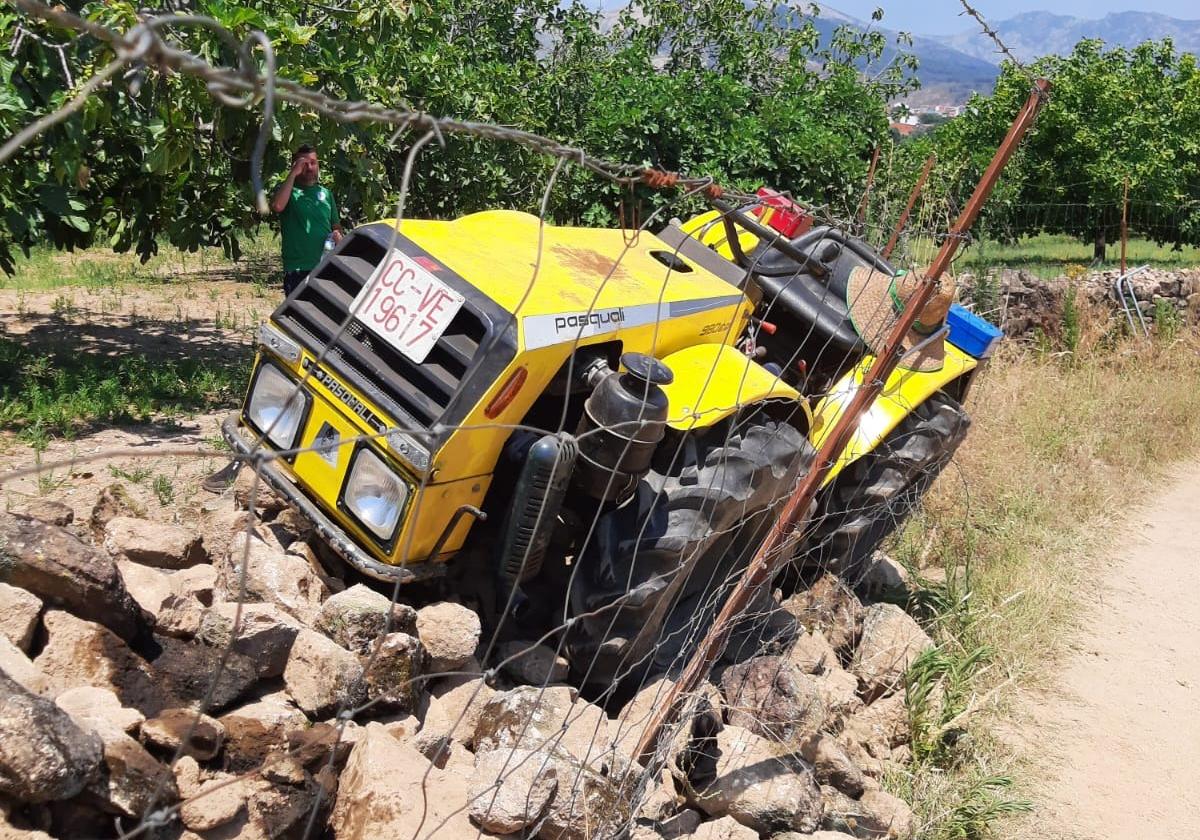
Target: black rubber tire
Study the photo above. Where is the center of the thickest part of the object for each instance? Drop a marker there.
(660, 567)
(876, 493)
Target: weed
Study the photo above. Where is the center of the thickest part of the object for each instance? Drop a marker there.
(164, 489)
(984, 294)
(216, 443)
(63, 306)
(1070, 319)
(1167, 320)
(136, 475)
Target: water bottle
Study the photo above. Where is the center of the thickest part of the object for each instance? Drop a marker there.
(329, 242)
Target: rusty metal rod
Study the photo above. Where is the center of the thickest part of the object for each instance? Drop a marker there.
(762, 568)
(912, 200)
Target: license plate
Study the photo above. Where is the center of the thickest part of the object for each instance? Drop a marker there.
(406, 306)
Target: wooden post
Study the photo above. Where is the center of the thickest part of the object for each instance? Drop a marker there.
(768, 557)
(1124, 223)
(861, 216)
(912, 200)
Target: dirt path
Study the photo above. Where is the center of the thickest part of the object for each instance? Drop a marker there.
(1124, 732)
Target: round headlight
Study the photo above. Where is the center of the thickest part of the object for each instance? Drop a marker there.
(374, 494)
(276, 406)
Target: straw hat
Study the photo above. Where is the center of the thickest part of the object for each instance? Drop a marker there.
(875, 301)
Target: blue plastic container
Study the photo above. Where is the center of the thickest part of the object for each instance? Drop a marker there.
(970, 333)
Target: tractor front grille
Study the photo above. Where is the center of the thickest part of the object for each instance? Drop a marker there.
(422, 392)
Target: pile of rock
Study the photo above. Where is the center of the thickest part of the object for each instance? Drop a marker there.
(333, 707)
(1027, 303)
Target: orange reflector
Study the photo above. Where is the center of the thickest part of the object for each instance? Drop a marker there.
(507, 393)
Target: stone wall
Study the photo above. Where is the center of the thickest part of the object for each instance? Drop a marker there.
(1024, 303)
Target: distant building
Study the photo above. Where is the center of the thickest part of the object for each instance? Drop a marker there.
(904, 129)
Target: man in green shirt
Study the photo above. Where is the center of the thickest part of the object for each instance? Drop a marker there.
(308, 216)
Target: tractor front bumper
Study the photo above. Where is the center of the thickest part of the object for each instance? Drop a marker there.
(346, 548)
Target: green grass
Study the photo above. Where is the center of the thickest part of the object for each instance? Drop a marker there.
(97, 268)
(1050, 256)
(44, 396)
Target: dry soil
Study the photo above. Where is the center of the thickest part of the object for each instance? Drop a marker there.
(1120, 741)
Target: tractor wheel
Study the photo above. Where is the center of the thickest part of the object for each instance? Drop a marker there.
(876, 493)
(658, 568)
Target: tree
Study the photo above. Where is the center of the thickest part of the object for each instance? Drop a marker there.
(744, 92)
(1113, 114)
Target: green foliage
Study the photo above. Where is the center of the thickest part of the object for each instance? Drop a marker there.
(1071, 327)
(43, 395)
(1113, 114)
(745, 92)
(1167, 320)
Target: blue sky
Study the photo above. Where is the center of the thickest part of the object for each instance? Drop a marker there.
(941, 17)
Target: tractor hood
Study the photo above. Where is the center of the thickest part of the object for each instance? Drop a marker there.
(566, 283)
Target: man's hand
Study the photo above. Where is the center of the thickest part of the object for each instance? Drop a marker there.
(299, 167)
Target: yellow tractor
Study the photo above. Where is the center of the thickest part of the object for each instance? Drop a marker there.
(583, 431)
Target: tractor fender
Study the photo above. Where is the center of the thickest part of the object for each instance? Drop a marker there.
(713, 381)
(905, 390)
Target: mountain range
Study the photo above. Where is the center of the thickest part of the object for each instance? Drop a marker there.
(953, 66)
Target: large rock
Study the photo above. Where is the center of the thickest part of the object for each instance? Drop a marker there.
(63, 572)
(185, 731)
(832, 765)
(829, 606)
(100, 710)
(726, 828)
(511, 789)
(450, 633)
(533, 664)
(193, 672)
(161, 545)
(114, 501)
(876, 816)
(19, 611)
(812, 653)
(536, 719)
(387, 789)
(270, 576)
(392, 671)
(82, 653)
(891, 642)
(44, 754)
(358, 616)
(255, 729)
(216, 803)
(180, 617)
(46, 510)
(875, 730)
(219, 528)
(265, 634)
(773, 698)
(591, 801)
(462, 699)
(150, 587)
(16, 664)
(760, 786)
(839, 690)
(321, 676)
(131, 781)
(197, 582)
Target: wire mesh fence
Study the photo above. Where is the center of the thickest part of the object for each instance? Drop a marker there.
(549, 493)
